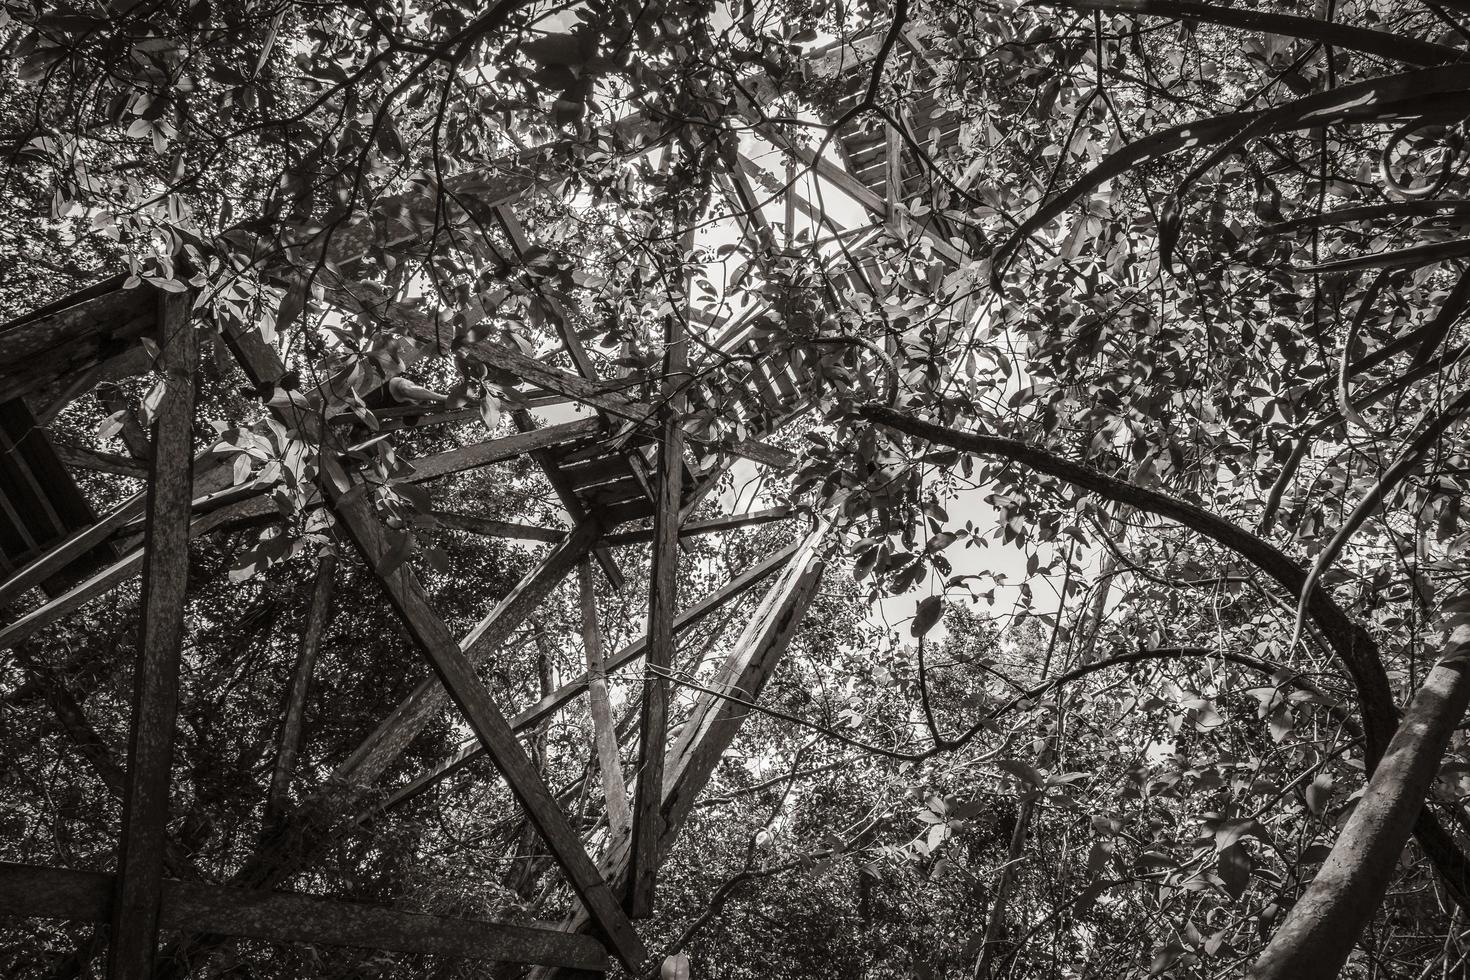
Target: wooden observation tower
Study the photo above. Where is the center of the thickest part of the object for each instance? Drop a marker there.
(624, 470)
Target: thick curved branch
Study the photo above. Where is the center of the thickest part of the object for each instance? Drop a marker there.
(1325, 923)
(1350, 643)
(1395, 47)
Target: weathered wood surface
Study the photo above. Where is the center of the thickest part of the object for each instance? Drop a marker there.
(141, 849)
(490, 527)
(604, 731)
(293, 719)
(395, 733)
(287, 917)
(712, 525)
(654, 715)
(717, 717)
(71, 337)
(463, 685)
(715, 720)
(570, 691)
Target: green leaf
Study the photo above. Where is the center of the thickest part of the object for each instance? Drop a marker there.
(927, 614)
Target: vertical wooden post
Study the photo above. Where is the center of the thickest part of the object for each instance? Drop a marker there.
(294, 716)
(604, 733)
(663, 607)
(135, 907)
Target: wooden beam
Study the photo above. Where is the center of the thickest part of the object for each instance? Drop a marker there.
(489, 527)
(717, 716)
(573, 689)
(390, 739)
(464, 686)
(318, 614)
(80, 457)
(892, 175)
(604, 732)
(713, 525)
(286, 917)
(743, 198)
(135, 910)
(68, 550)
(715, 721)
(663, 604)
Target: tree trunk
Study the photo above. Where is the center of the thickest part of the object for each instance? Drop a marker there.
(1323, 926)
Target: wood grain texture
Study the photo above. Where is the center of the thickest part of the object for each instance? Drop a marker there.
(604, 731)
(400, 728)
(463, 685)
(293, 718)
(156, 685)
(570, 691)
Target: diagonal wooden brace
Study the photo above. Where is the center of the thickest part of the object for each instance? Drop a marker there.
(490, 726)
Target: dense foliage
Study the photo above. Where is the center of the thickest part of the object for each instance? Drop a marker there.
(1192, 276)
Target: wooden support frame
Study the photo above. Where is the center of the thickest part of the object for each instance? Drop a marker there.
(719, 712)
(710, 526)
(318, 614)
(573, 689)
(892, 174)
(464, 686)
(287, 917)
(663, 604)
(716, 718)
(395, 733)
(139, 882)
(604, 732)
(452, 661)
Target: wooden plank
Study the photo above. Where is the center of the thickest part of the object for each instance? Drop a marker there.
(489, 527)
(286, 917)
(68, 550)
(713, 525)
(498, 450)
(318, 614)
(570, 691)
(80, 457)
(663, 606)
(135, 922)
(464, 686)
(716, 718)
(604, 732)
(567, 494)
(653, 718)
(389, 740)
